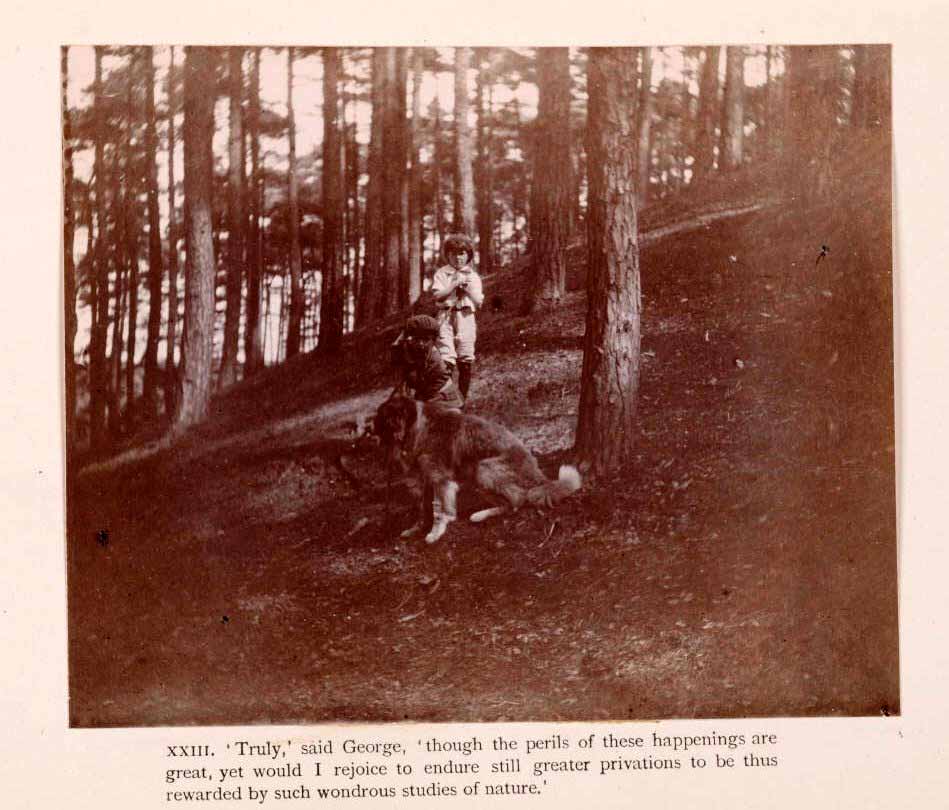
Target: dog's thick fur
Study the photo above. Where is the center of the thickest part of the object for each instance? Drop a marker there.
(446, 445)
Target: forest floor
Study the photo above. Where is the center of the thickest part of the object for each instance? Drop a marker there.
(743, 564)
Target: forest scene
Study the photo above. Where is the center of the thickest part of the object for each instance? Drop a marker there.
(686, 256)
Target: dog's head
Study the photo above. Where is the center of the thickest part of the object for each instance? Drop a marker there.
(394, 421)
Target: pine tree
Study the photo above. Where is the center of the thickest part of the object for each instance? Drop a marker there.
(295, 322)
(200, 269)
(171, 332)
(331, 316)
(606, 426)
(463, 219)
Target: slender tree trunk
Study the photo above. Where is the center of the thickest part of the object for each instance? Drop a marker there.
(734, 107)
(438, 157)
(171, 337)
(644, 128)
(156, 270)
(393, 172)
(235, 219)
(415, 179)
(200, 269)
(607, 427)
(69, 264)
(253, 336)
(296, 260)
(353, 172)
(131, 234)
(121, 260)
(463, 218)
(483, 176)
(370, 287)
(769, 127)
(331, 316)
(552, 184)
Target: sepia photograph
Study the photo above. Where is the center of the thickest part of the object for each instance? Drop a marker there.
(478, 384)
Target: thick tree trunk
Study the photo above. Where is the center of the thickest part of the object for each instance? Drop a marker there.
(813, 85)
(606, 427)
(370, 288)
(156, 268)
(171, 336)
(643, 128)
(484, 178)
(200, 269)
(552, 184)
(295, 322)
(253, 336)
(438, 157)
(463, 219)
(331, 315)
(235, 219)
(708, 106)
(415, 179)
(734, 107)
(69, 264)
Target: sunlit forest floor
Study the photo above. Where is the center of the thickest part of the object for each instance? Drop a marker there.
(744, 564)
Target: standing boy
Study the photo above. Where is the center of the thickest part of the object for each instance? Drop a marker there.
(456, 288)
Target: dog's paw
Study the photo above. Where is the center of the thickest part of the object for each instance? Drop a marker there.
(411, 532)
(484, 514)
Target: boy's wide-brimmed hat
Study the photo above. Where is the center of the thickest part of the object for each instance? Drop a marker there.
(458, 241)
(421, 326)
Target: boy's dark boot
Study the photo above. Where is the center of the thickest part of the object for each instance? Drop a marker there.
(464, 377)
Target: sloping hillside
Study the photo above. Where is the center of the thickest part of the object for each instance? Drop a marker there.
(744, 563)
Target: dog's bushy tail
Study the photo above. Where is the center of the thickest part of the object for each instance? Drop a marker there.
(568, 481)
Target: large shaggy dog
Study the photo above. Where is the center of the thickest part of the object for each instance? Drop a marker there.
(445, 445)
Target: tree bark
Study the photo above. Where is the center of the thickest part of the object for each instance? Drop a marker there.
(156, 268)
(606, 426)
(69, 264)
(484, 177)
(331, 315)
(415, 179)
(813, 85)
(296, 260)
(463, 217)
(708, 105)
(131, 236)
(200, 268)
(643, 128)
(370, 287)
(171, 336)
(734, 107)
(552, 183)
(235, 219)
(253, 336)
(393, 167)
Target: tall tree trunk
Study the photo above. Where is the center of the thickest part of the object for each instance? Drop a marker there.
(415, 179)
(354, 230)
(606, 426)
(813, 84)
(734, 107)
(463, 217)
(200, 269)
(131, 235)
(98, 370)
(156, 268)
(69, 264)
(331, 315)
(552, 183)
(483, 175)
(438, 157)
(296, 260)
(394, 172)
(253, 335)
(171, 336)
(235, 218)
(371, 285)
(644, 128)
(119, 291)
(708, 106)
